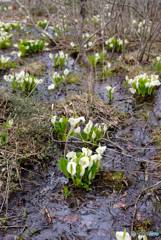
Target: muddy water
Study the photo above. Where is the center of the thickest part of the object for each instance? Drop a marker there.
(88, 215)
(97, 213)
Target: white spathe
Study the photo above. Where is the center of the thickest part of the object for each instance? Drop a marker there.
(119, 236)
(71, 168)
(100, 150)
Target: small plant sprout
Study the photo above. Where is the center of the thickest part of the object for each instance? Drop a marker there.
(110, 91)
(66, 191)
(157, 63)
(81, 167)
(143, 84)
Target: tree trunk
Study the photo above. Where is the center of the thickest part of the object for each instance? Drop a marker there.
(82, 54)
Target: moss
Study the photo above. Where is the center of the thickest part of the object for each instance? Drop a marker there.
(115, 180)
(143, 226)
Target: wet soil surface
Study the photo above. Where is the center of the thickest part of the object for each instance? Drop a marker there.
(109, 205)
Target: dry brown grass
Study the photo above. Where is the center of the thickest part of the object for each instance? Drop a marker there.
(34, 68)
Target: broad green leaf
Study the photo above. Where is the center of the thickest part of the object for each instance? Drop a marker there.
(63, 166)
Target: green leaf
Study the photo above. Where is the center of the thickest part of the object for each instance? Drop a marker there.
(32, 231)
(63, 166)
(3, 138)
(86, 186)
(78, 182)
(84, 135)
(66, 191)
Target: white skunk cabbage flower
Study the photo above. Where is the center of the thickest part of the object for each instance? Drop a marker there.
(77, 130)
(132, 90)
(88, 127)
(86, 151)
(71, 155)
(119, 236)
(100, 150)
(51, 87)
(71, 168)
(53, 120)
(66, 71)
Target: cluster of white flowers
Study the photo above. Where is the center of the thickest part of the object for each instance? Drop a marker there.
(58, 28)
(40, 21)
(119, 42)
(42, 24)
(30, 46)
(86, 161)
(141, 25)
(32, 42)
(89, 44)
(148, 81)
(6, 9)
(9, 25)
(56, 76)
(21, 77)
(107, 6)
(61, 54)
(4, 38)
(110, 43)
(96, 18)
(87, 129)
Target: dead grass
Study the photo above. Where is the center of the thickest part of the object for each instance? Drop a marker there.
(88, 106)
(29, 138)
(34, 68)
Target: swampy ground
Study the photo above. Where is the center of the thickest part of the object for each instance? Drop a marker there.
(123, 195)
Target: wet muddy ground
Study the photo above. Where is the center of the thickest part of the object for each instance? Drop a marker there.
(110, 205)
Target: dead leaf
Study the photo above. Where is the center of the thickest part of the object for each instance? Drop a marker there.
(138, 216)
(124, 195)
(71, 218)
(101, 234)
(119, 204)
(129, 147)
